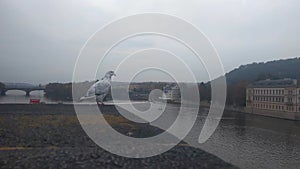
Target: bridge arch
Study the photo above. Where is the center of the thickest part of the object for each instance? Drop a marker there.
(3, 92)
(27, 88)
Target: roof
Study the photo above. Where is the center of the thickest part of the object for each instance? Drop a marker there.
(276, 83)
(171, 86)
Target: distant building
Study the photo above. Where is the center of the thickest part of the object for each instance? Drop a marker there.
(277, 98)
(171, 93)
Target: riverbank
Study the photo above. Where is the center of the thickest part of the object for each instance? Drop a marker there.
(50, 136)
(261, 112)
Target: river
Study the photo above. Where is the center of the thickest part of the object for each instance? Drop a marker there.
(245, 140)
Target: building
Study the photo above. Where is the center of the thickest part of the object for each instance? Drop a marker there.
(171, 93)
(276, 98)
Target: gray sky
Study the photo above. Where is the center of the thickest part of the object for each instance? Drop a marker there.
(40, 40)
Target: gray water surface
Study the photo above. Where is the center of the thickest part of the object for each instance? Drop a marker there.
(244, 140)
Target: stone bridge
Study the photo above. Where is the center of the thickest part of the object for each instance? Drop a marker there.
(21, 86)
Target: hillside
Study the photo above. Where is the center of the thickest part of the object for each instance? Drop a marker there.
(288, 68)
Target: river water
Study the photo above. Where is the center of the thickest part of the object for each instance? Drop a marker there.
(244, 140)
(251, 141)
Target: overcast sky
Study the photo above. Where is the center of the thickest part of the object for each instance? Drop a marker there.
(40, 40)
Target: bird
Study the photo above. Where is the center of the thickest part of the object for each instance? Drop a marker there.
(99, 89)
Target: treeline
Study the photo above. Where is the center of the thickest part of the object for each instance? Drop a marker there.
(236, 93)
(59, 91)
(2, 87)
(278, 69)
(63, 91)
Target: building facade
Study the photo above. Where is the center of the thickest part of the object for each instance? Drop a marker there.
(271, 96)
(171, 93)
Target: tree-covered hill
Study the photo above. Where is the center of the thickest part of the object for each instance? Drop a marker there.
(288, 68)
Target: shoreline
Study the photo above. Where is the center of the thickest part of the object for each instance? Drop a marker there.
(293, 116)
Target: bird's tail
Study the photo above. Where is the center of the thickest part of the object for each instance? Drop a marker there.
(86, 98)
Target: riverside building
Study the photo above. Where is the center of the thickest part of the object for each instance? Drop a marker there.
(276, 98)
(171, 93)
